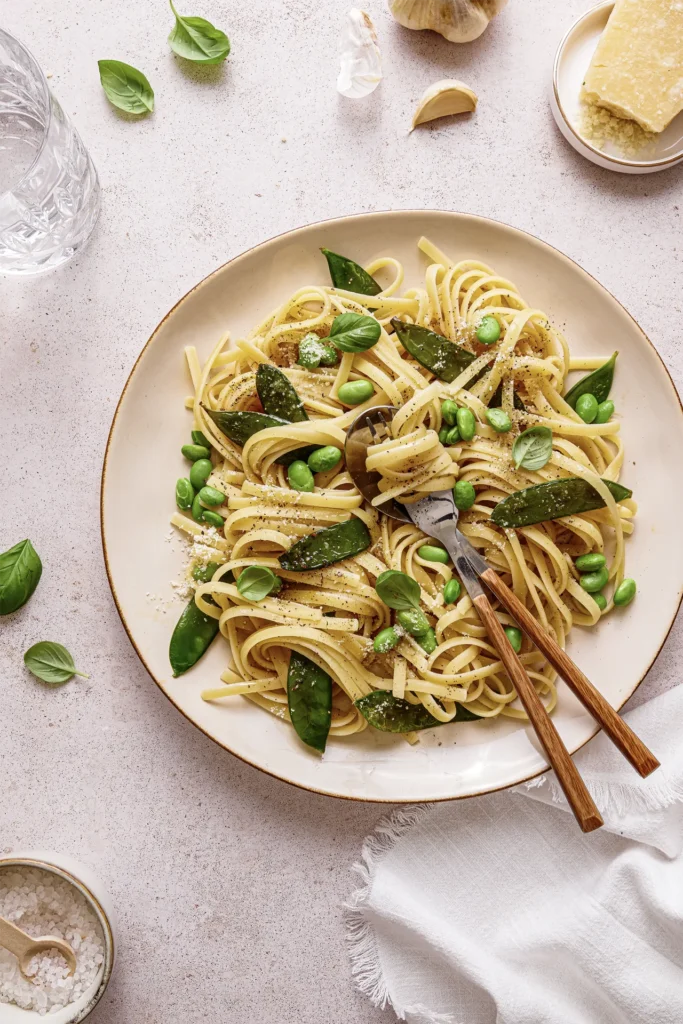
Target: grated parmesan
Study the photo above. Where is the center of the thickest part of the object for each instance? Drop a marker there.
(600, 127)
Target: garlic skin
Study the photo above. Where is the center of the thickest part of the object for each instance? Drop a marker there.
(361, 65)
(443, 98)
(459, 21)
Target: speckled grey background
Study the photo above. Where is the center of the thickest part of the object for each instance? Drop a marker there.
(228, 884)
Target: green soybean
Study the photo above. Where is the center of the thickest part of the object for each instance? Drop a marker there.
(499, 420)
(453, 435)
(211, 496)
(451, 592)
(414, 621)
(184, 493)
(355, 391)
(300, 477)
(328, 356)
(624, 593)
(605, 410)
(514, 635)
(200, 473)
(464, 495)
(428, 641)
(213, 519)
(197, 509)
(591, 562)
(204, 573)
(449, 411)
(601, 601)
(386, 640)
(488, 330)
(194, 452)
(324, 459)
(432, 553)
(594, 581)
(443, 434)
(587, 407)
(467, 425)
(198, 437)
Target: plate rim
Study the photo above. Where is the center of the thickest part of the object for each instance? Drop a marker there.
(293, 232)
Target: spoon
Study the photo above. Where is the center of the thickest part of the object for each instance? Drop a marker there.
(25, 946)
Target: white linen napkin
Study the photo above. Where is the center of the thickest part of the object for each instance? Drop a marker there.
(499, 911)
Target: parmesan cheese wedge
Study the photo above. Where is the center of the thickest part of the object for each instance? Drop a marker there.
(637, 69)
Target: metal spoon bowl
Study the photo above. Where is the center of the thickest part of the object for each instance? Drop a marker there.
(370, 427)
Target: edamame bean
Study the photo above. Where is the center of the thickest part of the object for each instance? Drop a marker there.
(589, 563)
(199, 438)
(355, 391)
(514, 635)
(432, 553)
(453, 435)
(324, 459)
(197, 509)
(499, 420)
(386, 640)
(467, 425)
(300, 476)
(194, 452)
(211, 496)
(605, 410)
(624, 593)
(414, 621)
(601, 601)
(594, 581)
(328, 356)
(213, 519)
(488, 330)
(200, 473)
(451, 592)
(587, 408)
(464, 495)
(449, 411)
(443, 434)
(204, 573)
(184, 493)
(428, 641)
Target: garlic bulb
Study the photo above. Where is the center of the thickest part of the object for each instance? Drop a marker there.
(446, 97)
(361, 66)
(460, 21)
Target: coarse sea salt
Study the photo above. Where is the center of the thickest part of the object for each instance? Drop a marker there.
(41, 903)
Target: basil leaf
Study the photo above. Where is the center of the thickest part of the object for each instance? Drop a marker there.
(568, 496)
(257, 581)
(391, 714)
(20, 571)
(353, 332)
(349, 275)
(309, 696)
(533, 448)
(598, 383)
(52, 663)
(398, 590)
(196, 39)
(126, 87)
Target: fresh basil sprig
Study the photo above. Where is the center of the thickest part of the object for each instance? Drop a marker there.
(198, 40)
(398, 590)
(51, 663)
(533, 448)
(353, 332)
(257, 581)
(126, 87)
(20, 570)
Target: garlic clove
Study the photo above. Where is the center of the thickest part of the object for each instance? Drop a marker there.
(459, 21)
(446, 97)
(361, 65)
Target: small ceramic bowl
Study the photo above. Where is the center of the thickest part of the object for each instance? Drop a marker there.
(99, 902)
(572, 59)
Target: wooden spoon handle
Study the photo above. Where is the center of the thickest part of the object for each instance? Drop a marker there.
(623, 737)
(578, 797)
(14, 939)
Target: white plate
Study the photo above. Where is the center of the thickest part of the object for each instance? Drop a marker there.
(143, 460)
(572, 60)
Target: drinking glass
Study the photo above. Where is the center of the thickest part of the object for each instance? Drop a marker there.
(49, 192)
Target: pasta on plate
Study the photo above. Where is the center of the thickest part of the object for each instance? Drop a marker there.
(287, 554)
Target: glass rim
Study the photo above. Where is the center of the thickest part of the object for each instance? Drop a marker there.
(48, 103)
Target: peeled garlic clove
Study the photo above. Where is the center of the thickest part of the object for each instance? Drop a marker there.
(446, 97)
(361, 66)
(459, 21)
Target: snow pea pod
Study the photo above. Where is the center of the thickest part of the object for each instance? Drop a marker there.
(349, 275)
(327, 546)
(444, 358)
(391, 714)
(241, 425)
(598, 383)
(309, 696)
(278, 396)
(191, 638)
(568, 496)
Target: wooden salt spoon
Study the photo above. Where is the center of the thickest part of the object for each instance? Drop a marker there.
(25, 946)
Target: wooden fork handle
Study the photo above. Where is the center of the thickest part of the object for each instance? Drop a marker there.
(578, 797)
(623, 737)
